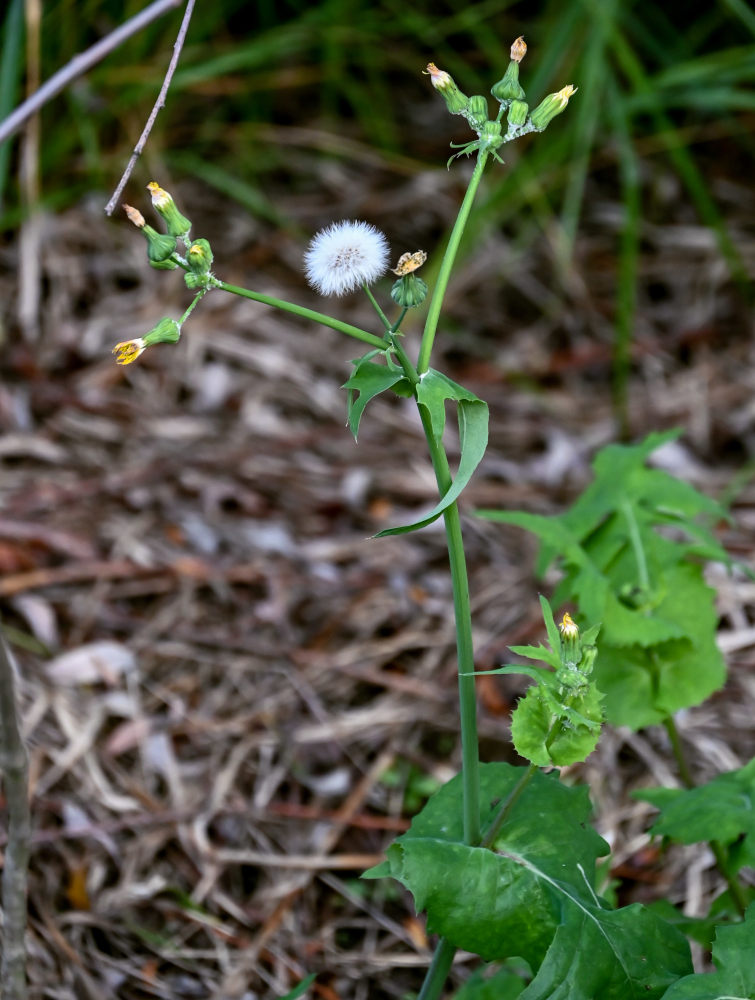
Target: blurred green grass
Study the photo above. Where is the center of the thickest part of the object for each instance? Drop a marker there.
(255, 106)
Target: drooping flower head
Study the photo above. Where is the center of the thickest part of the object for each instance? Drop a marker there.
(345, 256)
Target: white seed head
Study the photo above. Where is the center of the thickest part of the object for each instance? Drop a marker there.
(345, 256)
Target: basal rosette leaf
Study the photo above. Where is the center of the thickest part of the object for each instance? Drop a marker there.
(734, 978)
(722, 810)
(643, 686)
(598, 954)
(502, 985)
(500, 902)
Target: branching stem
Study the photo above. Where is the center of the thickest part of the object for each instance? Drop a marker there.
(291, 307)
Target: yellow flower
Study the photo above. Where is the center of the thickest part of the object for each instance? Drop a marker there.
(565, 93)
(568, 627)
(129, 350)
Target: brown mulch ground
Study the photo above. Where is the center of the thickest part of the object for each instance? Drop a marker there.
(233, 695)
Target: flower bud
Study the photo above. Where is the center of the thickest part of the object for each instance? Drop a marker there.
(178, 225)
(409, 291)
(456, 102)
(517, 113)
(570, 645)
(508, 88)
(477, 112)
(553, 105)
(167, 331)
(194, 281)
(159, 246)
(199, 256)
(164, 265)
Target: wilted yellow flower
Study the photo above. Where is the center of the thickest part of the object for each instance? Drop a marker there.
(409, 262)
(518, 49)
(135, 216)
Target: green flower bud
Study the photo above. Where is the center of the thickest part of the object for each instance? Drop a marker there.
(508, 88)
(477, 112)
(553, 105)
(178, 225)
(409, 291)
(456, 102)
(194, 281)
(167, 331)
(517, 113)
(159, 246)
(199, 256)
(163, 265)
(570, 644)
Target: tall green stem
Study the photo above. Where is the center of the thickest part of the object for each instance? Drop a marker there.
(438, 971)
(465, 656)
(291, 307)
(436, 302)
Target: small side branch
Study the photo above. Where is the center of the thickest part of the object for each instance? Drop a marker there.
(14, 763)
(159, 103)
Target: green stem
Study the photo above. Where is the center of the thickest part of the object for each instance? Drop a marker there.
(465, 656)
(438, 971)
(400, 319)
(409, 369)
(639, 551)
(678, 752)
(436, 302)
(197, 298)
(376, 306)
(291, 307)
(504, 812)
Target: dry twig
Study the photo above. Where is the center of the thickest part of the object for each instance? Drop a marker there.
(159, 103)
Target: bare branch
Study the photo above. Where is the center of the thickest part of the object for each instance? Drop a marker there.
(159, 103)
(15, 766)
(80, 64)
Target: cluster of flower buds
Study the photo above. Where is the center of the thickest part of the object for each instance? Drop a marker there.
(512, 100)
(162, 253)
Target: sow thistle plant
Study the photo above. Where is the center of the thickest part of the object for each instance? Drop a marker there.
(502, 859)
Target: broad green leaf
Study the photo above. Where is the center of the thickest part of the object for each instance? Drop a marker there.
(300, 989)
(369, 379)
(598, 954)
(645, 685)
(502, 985)
(499, 903)
(473, 438)
(559, 735)
(734, 978)
(722, 810)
